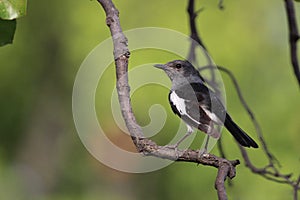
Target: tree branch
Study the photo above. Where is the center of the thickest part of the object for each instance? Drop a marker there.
(192, 19)
(270, 156)
(194, 35)
(144, 145)
(293, 36)
(270, 171)
(224, 170)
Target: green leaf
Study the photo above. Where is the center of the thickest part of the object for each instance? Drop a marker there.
(12, 9)
(7, 31)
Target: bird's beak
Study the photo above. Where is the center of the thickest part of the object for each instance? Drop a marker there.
(160, 66)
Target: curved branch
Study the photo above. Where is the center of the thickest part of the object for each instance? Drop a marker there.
(194, 35)
(270, 156)
(270, 171)
(121, 55)
(144, 145)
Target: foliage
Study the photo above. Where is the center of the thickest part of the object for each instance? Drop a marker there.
(38, 141)
(9, 11)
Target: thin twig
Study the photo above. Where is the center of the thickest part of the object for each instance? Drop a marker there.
(293, 36)
(296, 188)
(197, 42)
(221, 4)
(270, 156)
(270, 171)
(194, 35)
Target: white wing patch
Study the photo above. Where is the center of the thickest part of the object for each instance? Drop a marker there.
(212, 116)
(180, 105)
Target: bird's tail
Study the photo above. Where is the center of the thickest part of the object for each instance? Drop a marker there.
(242, 137)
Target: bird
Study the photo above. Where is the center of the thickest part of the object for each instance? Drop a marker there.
(197, 105)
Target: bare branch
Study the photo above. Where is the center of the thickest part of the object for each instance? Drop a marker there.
(150, 148)
(296, 188)
(194, 35)
(144, 145)
(270, 171)
(293, 36)
(121, 55)
(270, 156)
(192, 19)
(221, 4)
(220, 180)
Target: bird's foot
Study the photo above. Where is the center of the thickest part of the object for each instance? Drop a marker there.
(202, 152)
(173, 147)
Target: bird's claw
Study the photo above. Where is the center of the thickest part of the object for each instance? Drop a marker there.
(202, 153)
(173, 147)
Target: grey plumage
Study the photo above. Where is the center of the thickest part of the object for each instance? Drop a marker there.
(197, 105)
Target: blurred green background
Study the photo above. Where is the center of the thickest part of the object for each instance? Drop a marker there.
(41, 155)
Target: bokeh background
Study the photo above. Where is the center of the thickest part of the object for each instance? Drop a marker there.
(41, 155)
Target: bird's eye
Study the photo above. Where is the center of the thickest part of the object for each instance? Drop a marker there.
(178, 66)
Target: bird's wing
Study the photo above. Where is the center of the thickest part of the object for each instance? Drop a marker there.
(202, 103)
(190, 112)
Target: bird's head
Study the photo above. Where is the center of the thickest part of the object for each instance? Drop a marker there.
(178, 69)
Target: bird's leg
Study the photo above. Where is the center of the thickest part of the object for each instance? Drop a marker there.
(188, 133)
(175, 146)
(206, 144)
(204, 151)
(211, 132)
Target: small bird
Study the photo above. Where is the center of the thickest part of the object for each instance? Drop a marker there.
(197, 105)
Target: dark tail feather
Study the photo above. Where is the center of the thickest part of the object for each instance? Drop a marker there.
(242, 137)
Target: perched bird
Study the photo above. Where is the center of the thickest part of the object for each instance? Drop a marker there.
(197, 105)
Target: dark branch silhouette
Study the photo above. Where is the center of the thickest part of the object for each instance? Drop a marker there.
(271, 170)
(196, 41)
(293, 36)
